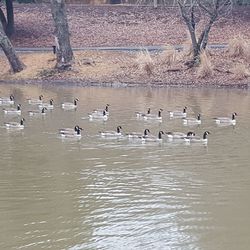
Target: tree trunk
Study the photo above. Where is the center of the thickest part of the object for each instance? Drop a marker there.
(10, 52)
(63, 51)
(10, 18)
(3, 19)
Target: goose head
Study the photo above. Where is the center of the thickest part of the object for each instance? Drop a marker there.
(75, 101)
(22, 121)
(234, 115)
(40, 97)
(199, 117)
(149, 110)
(107, 107)
(78, 130)
(190, 133)
(159, 112)
(118, 129)
(160, 134)
(43, 110)
(19, 107)
(12, 98)
(146, 132)
(205, 134)
(185, 109)
(51, 101)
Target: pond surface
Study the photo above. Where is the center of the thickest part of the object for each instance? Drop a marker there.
(99, 193)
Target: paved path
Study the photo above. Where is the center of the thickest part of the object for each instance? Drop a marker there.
(128, 48)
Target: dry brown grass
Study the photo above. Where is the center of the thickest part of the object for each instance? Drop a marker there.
(205, 68)
(144, 61)
(168, 56)
(240, 71)
(239, 47)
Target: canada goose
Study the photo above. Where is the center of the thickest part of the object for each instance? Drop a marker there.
(155, 117)
(226, 120)
(152, 138)
(13, 111)
(17, 125)
(7, 100)
(99, 116)
(76, 134)
(141, 114)
(101, 110)
(179, 135)
(49, 105)
(192, 120)
(136, 135)
(37, 112)
(116, 133)
(178, 113)
(70, 105)
(36, 101)
(68, 130)
(202, 139)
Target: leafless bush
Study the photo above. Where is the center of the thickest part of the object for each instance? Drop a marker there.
(239, 47)
(168, 56)
(240, 71)
(144, 61)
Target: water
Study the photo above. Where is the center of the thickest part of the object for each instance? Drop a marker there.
(97, 193)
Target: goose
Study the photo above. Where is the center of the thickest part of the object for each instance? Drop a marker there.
(99, 116)
(68, 130)
(157, 117)
(141, 114)
(49, 105)
(13, 111)
(18, 125)
(178, 113)
(226, 120)
(152, 138)
(100, 111)
(136, 135)
(179, 135)
(192, 120)
(199, 139)
(37, 112)
(36, 101)
(7, 100)
(76, 134)
(117, 133)
(70, 105)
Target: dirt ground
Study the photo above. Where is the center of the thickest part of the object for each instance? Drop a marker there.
(124, 26)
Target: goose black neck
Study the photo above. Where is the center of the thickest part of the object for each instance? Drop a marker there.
(233, 116)
(51, 102)
(205, 135)
(148, 111)
(160, 135)
(159, 113)
(18, 107)
(21, 122)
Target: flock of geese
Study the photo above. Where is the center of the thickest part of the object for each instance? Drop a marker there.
(103, 114)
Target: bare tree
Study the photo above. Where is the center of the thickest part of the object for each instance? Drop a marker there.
(8, 21)
(15, 63)
(63, 48)
(210, 11)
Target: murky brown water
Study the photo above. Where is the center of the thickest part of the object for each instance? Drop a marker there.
(97, 193)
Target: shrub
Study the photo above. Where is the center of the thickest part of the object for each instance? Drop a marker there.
(240, 71)
(205, 68)
(239, 47)
(168, 56)
(144, 61)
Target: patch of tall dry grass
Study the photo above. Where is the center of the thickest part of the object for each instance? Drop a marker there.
(168, 56)
(240, 71)
(144, 61)
(205, 68)
(239, 47)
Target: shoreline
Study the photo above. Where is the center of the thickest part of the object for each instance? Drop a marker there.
(84, 84)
